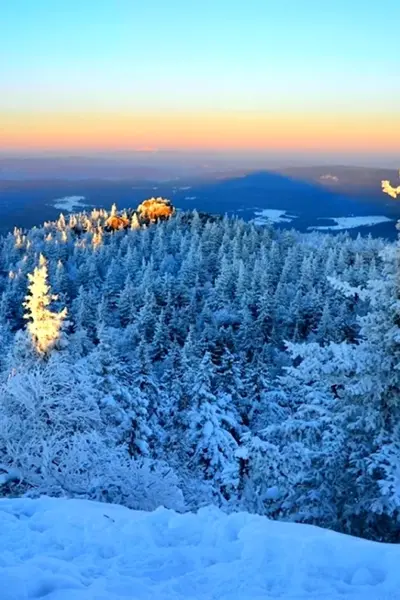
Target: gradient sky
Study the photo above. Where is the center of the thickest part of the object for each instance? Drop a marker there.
(296, 75)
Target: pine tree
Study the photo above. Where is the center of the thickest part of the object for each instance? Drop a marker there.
(210, 422)
(348, 417)
(44, 326)
(123, 403)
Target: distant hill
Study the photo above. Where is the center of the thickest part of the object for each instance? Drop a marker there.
(302, 202)
(292, 197)
(76, 168)
(356, 181)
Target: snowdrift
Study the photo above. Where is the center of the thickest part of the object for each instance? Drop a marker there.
(80, 550)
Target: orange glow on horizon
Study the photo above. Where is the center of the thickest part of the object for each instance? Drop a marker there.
(198, 131)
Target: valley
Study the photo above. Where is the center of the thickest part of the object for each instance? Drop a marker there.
(314, 198)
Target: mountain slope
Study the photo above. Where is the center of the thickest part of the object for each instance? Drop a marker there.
(80, 550)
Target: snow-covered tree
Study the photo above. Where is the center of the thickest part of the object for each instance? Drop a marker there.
(211, 424)
(177, 353)
(44, 325)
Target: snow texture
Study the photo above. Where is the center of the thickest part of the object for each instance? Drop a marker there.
(272, 215)
(351, 222)
(62, 549)
(329, 177)
(70, 203)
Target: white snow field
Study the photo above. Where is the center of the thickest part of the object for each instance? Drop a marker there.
(61, 549)
(267, 216)
(351, 222)
(70, 203)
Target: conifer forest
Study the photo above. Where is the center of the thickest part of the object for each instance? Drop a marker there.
(185, 359)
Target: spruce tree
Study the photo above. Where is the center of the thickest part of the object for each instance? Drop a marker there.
(44, 325)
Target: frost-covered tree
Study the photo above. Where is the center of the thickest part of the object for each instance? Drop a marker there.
(177, 345)
(123, 405)
(389, 189)
(44, 325)
(211, 424)
(346, 414)
(372, 406)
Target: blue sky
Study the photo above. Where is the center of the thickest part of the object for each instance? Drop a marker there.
(319, 61)
(200, 54)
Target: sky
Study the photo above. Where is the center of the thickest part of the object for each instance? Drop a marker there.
(302, 76)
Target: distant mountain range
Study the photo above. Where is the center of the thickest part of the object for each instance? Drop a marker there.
(355, 181)
(76, 168)
(329, 197)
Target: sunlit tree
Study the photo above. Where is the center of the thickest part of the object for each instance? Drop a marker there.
(44, 325)
(392, 191)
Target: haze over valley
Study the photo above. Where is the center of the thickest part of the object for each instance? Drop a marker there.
(34, 189)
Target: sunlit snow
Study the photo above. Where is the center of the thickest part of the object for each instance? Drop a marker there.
(62, 549)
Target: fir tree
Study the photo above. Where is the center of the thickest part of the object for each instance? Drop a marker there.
(44, 326)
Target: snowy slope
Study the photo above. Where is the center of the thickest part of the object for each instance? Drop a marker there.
(81, 550)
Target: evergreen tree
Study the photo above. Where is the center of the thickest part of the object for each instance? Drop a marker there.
(44, 326)
(210, 423)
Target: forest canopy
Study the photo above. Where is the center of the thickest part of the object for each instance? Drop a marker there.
(191, 360)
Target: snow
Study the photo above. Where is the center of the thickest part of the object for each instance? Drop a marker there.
(272, 493)
(329, 177)
(7, 475)
(272, 215)
(351, 222)
(70, 203)
(183, 188)
(62, 549)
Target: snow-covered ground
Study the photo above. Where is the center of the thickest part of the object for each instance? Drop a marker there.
(80, 550)
(182, 188)
(329, 177)
(70, 203)
(351, 222)
(267, 216)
